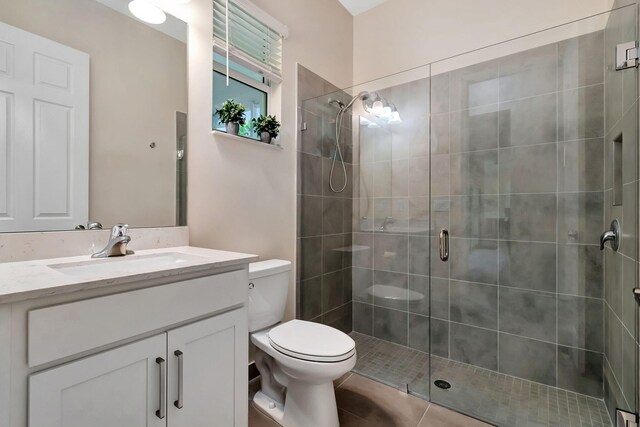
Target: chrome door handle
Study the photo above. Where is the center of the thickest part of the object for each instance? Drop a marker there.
(162, 395)
(180, 355)
(612, 235)
(444, 244)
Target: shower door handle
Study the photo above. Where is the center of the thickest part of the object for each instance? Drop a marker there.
(444, 244)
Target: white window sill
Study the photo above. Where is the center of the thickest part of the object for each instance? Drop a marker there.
(236, 138)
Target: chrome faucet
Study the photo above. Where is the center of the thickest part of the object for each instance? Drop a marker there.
(117, 245)
(388, 220)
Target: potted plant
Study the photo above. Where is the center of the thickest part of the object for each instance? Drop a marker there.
(231, 115)
(268, 127)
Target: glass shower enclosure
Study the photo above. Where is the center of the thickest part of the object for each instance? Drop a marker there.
(466, 261)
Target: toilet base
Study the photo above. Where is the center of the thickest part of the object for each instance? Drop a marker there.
(305, 404)
(268, 406)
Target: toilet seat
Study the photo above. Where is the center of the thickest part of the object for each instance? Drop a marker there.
(311, 341)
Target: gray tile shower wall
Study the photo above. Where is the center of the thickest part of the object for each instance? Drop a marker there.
(621, 268)
(324, 278)
(516, 174)
(391, 223)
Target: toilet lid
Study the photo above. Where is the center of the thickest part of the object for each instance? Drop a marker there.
(312, 341)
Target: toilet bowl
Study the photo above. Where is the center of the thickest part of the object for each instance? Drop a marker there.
(297, 360)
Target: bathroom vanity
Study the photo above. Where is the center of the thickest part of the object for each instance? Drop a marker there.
(158, 338)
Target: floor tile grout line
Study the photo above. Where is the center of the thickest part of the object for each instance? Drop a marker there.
(424, 414)
(352, 414)
(344, 381)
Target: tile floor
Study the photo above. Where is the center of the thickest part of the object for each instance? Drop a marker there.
(363, 402)
(488, 395)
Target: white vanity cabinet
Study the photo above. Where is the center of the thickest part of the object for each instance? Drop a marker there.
(184, 377)
(149, 350)
(119, 387)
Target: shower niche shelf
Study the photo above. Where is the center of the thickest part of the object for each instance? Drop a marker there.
(236, 138)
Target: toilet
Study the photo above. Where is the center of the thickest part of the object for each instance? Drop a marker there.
(297, 360)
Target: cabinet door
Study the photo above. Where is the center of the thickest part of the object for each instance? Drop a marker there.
(213, 379)
(120, 387)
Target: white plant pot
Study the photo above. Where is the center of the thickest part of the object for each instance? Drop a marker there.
(265, 137)
(232, 128)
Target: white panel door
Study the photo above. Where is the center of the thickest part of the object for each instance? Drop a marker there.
(214, 376)
(119, 387)
(7, 108)
(44, 133)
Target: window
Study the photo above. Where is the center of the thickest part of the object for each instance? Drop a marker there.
(254, 99)
(251, 57)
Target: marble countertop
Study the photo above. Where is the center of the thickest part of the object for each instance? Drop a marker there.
(47, 277)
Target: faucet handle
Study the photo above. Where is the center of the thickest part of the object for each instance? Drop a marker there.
(612, 235)
(119, 230)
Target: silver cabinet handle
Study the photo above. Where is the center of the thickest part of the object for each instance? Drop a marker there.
(180, 355)
(444, 244)
(162, 395)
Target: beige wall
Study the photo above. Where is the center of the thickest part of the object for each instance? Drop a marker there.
(402, 34)
(138, 81)
(242, 196)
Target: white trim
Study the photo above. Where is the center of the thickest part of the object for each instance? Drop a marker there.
(235, 138)
(263, 16)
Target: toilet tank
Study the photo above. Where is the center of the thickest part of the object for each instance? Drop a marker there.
(268, 286)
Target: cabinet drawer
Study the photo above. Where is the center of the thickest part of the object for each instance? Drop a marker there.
(67, 329)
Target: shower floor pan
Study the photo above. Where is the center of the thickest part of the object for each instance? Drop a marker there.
(487, 395)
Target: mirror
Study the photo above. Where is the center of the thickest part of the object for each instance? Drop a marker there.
(93, 107)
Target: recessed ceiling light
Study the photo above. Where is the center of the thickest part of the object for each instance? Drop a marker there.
(147, 12)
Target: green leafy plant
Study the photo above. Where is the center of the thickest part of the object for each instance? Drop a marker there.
(245, 130)
(266, 124)
(231, 112)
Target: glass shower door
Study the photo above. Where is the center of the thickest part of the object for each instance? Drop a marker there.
(533, 155)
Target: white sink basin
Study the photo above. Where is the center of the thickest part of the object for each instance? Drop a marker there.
(127, 265)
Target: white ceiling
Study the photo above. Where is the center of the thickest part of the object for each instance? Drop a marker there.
(356, 7)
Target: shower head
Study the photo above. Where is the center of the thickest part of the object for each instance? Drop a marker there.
(337, 102)
(362, 95)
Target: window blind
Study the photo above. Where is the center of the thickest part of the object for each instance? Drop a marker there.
(252, 42)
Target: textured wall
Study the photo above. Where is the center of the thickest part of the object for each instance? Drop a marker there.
(324, 217)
